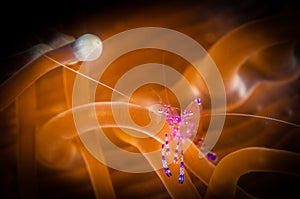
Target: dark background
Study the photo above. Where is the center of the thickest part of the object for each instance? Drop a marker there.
(22, 22)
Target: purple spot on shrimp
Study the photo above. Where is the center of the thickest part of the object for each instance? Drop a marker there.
(212, 156)
(198, 101)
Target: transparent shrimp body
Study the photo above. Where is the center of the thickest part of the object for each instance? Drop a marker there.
(182, 126)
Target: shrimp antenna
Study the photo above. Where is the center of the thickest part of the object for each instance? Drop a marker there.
(257, 116)
(87, 77)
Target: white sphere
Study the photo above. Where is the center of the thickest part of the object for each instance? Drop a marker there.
(87, 47)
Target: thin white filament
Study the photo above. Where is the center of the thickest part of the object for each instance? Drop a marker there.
(85, 76)
(257, 116)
